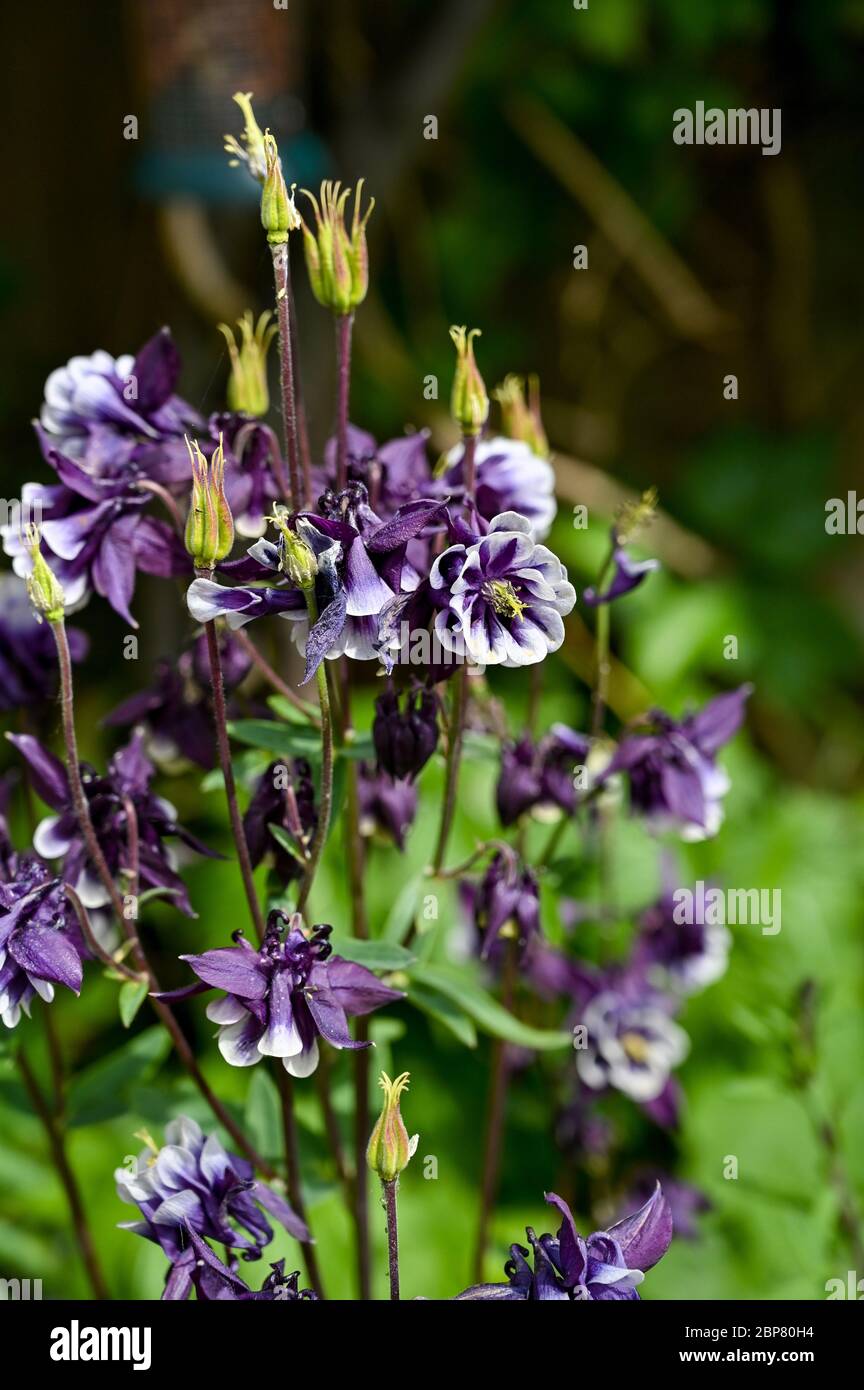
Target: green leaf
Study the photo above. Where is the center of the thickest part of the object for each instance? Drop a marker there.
(486, 1012)
(263, 1114)
(277, 738)
(404, 910)
(375, 955)
(444, 1010)
(132, 996)
(101, 1091)
(161, 892)
(290, 713)
(282, 837)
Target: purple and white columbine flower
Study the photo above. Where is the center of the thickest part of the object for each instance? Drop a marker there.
(40, 941)
(193, 1186)
(510, 477)
(281, 998)
(503, 598)
(674, 780)
(632, 1044)
(128, 779)
(609, 1265)
(361, 564)
(539, 777)
(627, 574)
(107, 426)
(689, 956)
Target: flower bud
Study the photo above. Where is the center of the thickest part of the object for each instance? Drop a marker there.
(296, 557)
(251, 151)
(337, 261)
(390, 1149)
(247, 384)
(469, 403)
(210, 525)
(45, 590)
(405, 739)
(278, 213)
(521, 418)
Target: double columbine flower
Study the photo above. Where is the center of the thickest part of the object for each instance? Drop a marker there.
(510, 477)
(193, 1187)
(281, 998)
(609, 1265)
(674, 780)
(40, 943)
(503, 597)
(633, 1045)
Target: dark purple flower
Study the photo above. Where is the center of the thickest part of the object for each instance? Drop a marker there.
(507, 903)
(284, 796)
(193, 1186)
(393, 473)
(405, 733)
(627, 574)
(28, 655)
(218, 1282)
(674, 780)
(280, 998)
(128, 778)
(176, 710)
(510, 477)
(388, 806)
(503, 598)
(535, 776)
(687, 955)
(609, 1265)
(40, 942)
(251, 483)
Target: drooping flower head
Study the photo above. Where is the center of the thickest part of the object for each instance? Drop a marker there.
(507, 903)
(609, 1265)
(284, 796)
(40, 942)
(193, 1185)
(281, 998)
(218, 1282)
(127, 780)
(405, 732)
(28, 655)
(541, 777)
(670, 766)
(388, 805)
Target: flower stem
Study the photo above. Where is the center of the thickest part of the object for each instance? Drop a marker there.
(325, 800)
(344, 325)
(85, 824)
(388, 1193)
(282, 278)
(454, 757)
(292, 1166)
(57, 1143)
(499, 1080)
(220, 720)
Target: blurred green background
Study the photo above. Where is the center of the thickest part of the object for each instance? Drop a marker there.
(553, 131)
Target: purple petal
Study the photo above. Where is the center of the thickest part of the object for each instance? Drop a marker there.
(232, 968)
(48, 955)
(114, 566)
(357, 990)
(277, 1206)
(570, 1244)
(644, 1237)
(719, 720)
(47, 773)
(407, 523)
(156, 370)
(324, 634)
(628, 575)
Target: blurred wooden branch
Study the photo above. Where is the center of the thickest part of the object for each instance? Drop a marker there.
(687, 305)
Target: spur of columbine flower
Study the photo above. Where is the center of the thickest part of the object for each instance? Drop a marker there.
(609, 1265)
(674, 780)
(192, 1185)
(356, 562)
(40, 940)
(502, 597)
(280, 998)
(128, 778)
(506, 903)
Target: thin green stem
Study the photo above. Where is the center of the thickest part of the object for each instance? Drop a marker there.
(292, 1166)
(325, 800)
